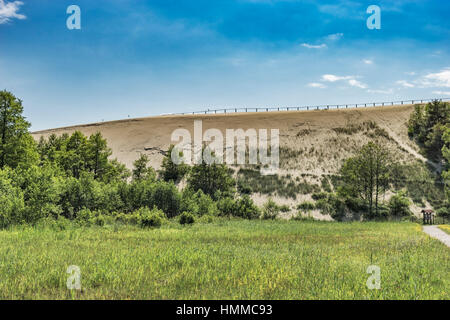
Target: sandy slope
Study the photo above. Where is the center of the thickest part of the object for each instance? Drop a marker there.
(152, 135)
(310, 145)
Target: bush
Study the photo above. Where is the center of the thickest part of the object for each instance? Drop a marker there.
(245, 208)
(11, 202)
(166, 197)
(399, 205)
(319, 195)
(270, 210)
(128, 218)
(443, 212)
(150, 218)
(187, 218)
(306, 206)
(226, 207)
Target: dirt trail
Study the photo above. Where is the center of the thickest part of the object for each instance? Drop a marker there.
(435, 232)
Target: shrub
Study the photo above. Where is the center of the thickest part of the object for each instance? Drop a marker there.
(245, 208)
(399, 205)
(443, 212)
(127, 218)
(270, 210)
(211, 178)
(171, 171)
(306, 206)
(150, 218)
(11, 202)
(319, 195)
(187, 218)
(226, 206)
(285, 208)
(166, 197)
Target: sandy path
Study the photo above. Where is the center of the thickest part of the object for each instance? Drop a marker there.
(435, 232)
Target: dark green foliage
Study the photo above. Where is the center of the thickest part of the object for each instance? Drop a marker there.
(11, 201)
(17, 147)
(171, 171)
(366, 176)
(187, 218)
(141, 170)
(76, 154)
(270, 210)
(428, 124)
(420, 182)
(150, 218)
(212, 179)
(282, 186)
(245, 208)
(242, 207)
(41, 188)
(399, 205)
(306, 206)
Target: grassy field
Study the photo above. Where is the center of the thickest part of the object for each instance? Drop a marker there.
(445, 228)
(225, 260)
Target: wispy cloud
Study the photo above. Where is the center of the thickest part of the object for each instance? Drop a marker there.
(334, 36)
(9, 11)
(334, 78)
(405, 84)
(317, 85)
(439, 79)
(350, 80)
(312, 46)
(368, 61)
(442, 93)
(356, 83)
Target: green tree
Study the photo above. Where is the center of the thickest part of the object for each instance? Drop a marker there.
(11, 201)
(399, 205)
(97, 155)
(141, 169)
(446, 154)
(367, 175)
(16, 144)
(427, 125)
(212, 179)
(171, 171)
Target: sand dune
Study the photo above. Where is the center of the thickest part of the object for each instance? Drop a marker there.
(299, 130)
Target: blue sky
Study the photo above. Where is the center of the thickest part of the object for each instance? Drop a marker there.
(138, 58)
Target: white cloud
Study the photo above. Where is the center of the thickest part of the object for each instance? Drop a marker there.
(440, 79)
(334, 36)
(9, 10)
(356, 83)
(334, 78)
(405, 84)
(311, 46)
(412, 73)
(316, 85)
(442, 93)
(368, 61)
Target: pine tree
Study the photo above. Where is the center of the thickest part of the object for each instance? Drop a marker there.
(17, 147)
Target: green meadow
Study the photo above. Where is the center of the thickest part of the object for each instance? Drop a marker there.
(225, 259)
